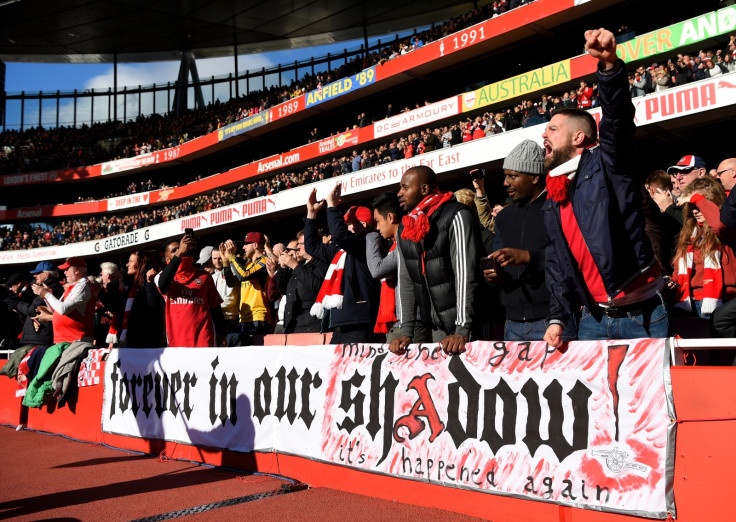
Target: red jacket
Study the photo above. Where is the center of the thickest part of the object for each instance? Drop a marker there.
(585, 98)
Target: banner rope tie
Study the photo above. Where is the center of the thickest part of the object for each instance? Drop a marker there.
(163, 457)
(685, 354)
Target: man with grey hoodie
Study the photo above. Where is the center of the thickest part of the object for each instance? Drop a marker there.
(383, 263)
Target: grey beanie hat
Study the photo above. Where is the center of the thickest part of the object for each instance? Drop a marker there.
(526, 157)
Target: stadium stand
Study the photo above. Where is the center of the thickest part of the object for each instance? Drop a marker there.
(252, 175)
(524, 114)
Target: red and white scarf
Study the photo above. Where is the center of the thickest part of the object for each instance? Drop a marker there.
(331, 292)
(560, 178)
(712, 280)
(387, 305)
(416, 223)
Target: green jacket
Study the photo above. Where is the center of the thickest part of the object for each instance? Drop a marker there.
(41, 387)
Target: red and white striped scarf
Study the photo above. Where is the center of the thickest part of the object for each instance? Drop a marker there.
(387, 305)
(712, 280)
(331, 292)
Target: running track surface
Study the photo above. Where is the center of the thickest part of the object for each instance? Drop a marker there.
(46, 476)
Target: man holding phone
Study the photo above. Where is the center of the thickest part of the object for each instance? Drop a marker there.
(517, 263)
(193, 314)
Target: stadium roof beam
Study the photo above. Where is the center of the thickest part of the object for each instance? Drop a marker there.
(187, 66)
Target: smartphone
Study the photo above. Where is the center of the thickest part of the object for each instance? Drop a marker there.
(189, 232)
(478, 173)
(668, 279)
(488, 263)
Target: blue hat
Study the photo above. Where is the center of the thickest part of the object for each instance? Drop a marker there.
(687, 163)
(43, 266)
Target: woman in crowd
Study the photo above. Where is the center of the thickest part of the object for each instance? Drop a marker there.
(705, 268)
(728, 61)
(141, 322)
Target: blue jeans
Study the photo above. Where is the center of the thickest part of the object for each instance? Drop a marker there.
(535, 330)
(698, 306)
(651, 323)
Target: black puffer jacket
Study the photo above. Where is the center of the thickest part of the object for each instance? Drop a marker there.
(452, 249)
(301, 287)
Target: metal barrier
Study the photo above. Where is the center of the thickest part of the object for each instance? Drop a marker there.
(679, 347)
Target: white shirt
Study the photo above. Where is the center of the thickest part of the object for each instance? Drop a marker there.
(230, 295)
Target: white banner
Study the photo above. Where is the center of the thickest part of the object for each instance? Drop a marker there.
(589, 427)
(691, 98)
(416, 118)
(129, 201)
(142, 160)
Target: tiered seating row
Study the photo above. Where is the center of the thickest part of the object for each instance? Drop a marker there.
(451, 49)
(663, 40)
(678, 102)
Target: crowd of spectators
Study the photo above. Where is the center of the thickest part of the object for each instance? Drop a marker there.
(642, 81)
(264, 286)
(682, 69)
(37, 149)
(422, 264)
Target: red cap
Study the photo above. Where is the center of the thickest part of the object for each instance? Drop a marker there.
(254, 237)
(74, 261)
(363, 214)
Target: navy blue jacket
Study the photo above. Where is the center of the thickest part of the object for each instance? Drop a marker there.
(607, 202)
(360, 291)
(523, 290)
(728, 210)
(33, 333)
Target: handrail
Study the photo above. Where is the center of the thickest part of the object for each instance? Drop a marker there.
(242, 75)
